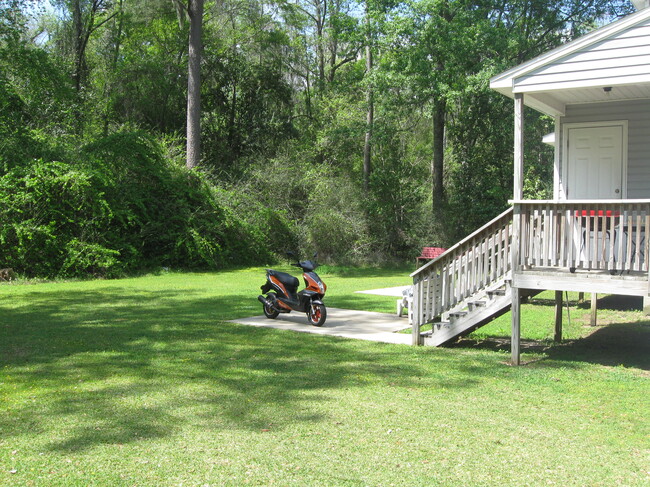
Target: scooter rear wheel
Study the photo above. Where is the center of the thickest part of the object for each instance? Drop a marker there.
(270, 312)
(317, 314)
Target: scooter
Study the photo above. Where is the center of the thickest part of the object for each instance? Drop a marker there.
(282, 294)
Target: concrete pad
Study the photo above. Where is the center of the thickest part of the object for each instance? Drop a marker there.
(388, 291)
(361, 325)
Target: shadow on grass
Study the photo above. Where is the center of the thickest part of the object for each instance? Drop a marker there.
(618, 303)
(116, 366)
(609, 302)
(626, 344)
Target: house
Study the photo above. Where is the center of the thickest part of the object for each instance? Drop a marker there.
(592, 236)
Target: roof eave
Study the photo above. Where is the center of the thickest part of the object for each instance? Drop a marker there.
(539, 101)
(507, 78)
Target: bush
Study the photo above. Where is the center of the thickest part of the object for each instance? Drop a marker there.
(121, 207)
(319, 207)
(42, 208)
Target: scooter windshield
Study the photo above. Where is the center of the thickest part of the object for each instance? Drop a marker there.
(308, 265)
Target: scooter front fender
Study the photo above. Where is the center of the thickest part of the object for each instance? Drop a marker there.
(309, 294)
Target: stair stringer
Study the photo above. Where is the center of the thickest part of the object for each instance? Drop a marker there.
(496, 305)
(468, 323)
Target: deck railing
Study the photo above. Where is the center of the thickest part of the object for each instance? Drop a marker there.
(587, 234)
(474, 263)
(594, 235)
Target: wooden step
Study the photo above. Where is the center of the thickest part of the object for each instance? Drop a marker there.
(441, 325)
(472, 305)
(428, 337)
(496, 292)
(457, 314)
(462, 326)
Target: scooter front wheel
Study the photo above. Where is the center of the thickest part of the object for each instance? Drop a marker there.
(317, 314)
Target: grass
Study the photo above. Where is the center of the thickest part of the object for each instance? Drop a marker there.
(141, 382)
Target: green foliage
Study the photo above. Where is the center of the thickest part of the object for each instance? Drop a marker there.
(399, 205)
(35, 101)
(87, 89)
(334, 222)
(247, 110)
(321, 201)
(260, 232)
(84, 258)
(118, 206)
(41, 208)
(143, 72)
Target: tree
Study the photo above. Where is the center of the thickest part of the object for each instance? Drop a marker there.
(445, 52)
(370, 117)
(87, 17)
(194, 11)
(436, 43)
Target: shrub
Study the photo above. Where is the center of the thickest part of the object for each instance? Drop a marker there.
(43, 207)
(119, 206)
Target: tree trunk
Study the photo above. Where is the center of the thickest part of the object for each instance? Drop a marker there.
(77, 24)
(437, 167)
(195, 12)
(78, 44)
(233, 116)
(367, 147)
(114, 61)
(320, 18)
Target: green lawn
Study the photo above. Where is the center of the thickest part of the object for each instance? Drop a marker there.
(139, 382)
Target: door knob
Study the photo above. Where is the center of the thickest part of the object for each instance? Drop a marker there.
(617, 191)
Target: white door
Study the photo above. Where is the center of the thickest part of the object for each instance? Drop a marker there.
(595, 162)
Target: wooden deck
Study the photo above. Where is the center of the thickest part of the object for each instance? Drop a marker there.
(558, 279)
(596, 246)
(592, 235)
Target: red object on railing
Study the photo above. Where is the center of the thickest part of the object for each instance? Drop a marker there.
(431, 253)
(606, 213)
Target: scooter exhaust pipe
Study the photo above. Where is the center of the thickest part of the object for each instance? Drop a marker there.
(265, 301)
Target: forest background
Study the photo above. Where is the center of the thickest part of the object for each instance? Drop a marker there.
(360, 129)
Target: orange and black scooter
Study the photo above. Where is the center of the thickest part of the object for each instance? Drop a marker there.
(282, 294)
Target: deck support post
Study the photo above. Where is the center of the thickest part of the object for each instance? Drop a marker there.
(558, 317)
(594, 308)
(516, 326)
(414, 313)
(518, 194)
(646, 298)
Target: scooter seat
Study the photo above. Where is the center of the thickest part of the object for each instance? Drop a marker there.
(289, 281)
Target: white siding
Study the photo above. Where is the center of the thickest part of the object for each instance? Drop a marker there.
(637, 113)
(623, 58)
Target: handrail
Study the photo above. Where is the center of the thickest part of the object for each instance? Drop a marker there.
(477, 262)
(463, 241)
(580, 202)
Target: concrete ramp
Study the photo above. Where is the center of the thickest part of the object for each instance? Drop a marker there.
(347, 323)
